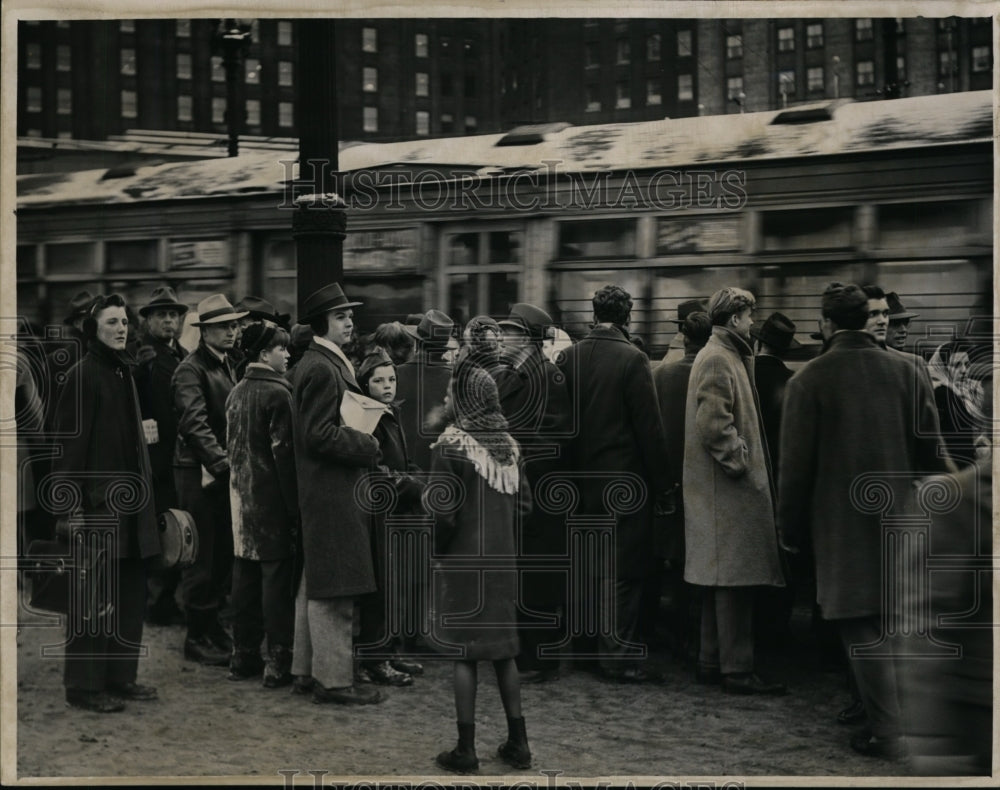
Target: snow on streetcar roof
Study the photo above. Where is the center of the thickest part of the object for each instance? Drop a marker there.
(853, 127)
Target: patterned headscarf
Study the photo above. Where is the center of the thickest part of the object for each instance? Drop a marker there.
(475, 410)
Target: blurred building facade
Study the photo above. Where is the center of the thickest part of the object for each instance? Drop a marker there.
(408, 78)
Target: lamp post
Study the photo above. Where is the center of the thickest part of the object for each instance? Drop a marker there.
(231, 41)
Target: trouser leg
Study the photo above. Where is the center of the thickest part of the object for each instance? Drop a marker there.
(875, 676)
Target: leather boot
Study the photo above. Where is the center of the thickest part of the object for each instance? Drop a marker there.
(197, 645)
(278, 666)
(462, 759)
(245, 661)
(515, 751)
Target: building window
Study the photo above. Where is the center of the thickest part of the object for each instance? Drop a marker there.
(786, 39)
(591, 55)
(734, 47)
(623, 51)
(734, 87)
(814, 35)
(183, 108)
(653, 47)
(623, 98)
(900, 26)
(218, 109)
(34, 99)
(445, 45)
(981, 59)
(183, 28)
(786, 83)
(470, 48)
(285, 72)
(946, 64)
(684, 43)
(423, 122)
(369, 79)
(218, 71)
(593, 99)
(62, 23)
(447, 122)
(422, 84)
(183, 66)
(64, 101)
(286, 114)
(253, 112)
(815, 79)
(369, 40)
(370, 119)
(901, 67)
(685, 87)
(33, 56)
(129, 104)
(654, 94)
(62, 58)
(471, 124)
(420, 45)
(946, 24)
(863, 29)
(866, 73)
(127, 25)
(252, 71)
(128, 61)
(284, 34)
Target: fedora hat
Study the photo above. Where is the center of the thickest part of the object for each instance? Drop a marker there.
(896, 310)
(163, 298)
(435, 326)
(262, 309)
(684, 309)
(528, 318)
(329, 297)
(777, 331)
(215, 309)
(79, 306)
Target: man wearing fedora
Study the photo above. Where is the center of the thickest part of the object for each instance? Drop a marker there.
(678, 346)
(899, 322)
(422, 381)
(201, 383)
(159, 355)
(533, 399)
(331, 460)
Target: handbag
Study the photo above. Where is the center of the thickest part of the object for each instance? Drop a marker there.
(69, 579)
(178, 539)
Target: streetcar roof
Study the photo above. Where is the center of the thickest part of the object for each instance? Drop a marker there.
(853, 127)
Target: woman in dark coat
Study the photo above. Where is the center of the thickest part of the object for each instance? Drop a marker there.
(474, 609)
(105, 457)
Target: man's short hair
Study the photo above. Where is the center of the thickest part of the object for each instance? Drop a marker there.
(727, 302)
(697, 329)
(845, 305)
(873, 291)
(612, 305)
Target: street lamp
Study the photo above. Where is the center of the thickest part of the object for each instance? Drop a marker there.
(231, 41)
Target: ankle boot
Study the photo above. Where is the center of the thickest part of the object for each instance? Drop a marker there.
(462, 759)
(515, 751)
(277, 667)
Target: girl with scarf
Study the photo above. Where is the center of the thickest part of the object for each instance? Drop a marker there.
(476, 493)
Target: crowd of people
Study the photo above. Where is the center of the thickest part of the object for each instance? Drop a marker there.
(273, 435)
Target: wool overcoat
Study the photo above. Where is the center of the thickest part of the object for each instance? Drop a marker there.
(421, 384)
(618, 429)
(98, 411)
(331, 460)
(729, 526)
(201, 383)
(770, 377)
(263, 492)
(856, 413)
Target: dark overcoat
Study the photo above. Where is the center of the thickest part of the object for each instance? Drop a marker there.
(157, 362)
(99, 408)
(330, 461)
(201, 384)
(482, 526)
(854, 411)
(729, 530)
(421, 384)
(770, 376)
(618, 429)
(263, 492)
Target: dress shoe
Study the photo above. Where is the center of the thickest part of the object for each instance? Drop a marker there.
(539, 675)
(407, 666)
(873, 746)
(383, 674)
(707, 675)
(204, 651)
(349, 695)
(631, 675)
(853, 714)
(302, 684)
(132, 691)
(749, 683)
(96, 701)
